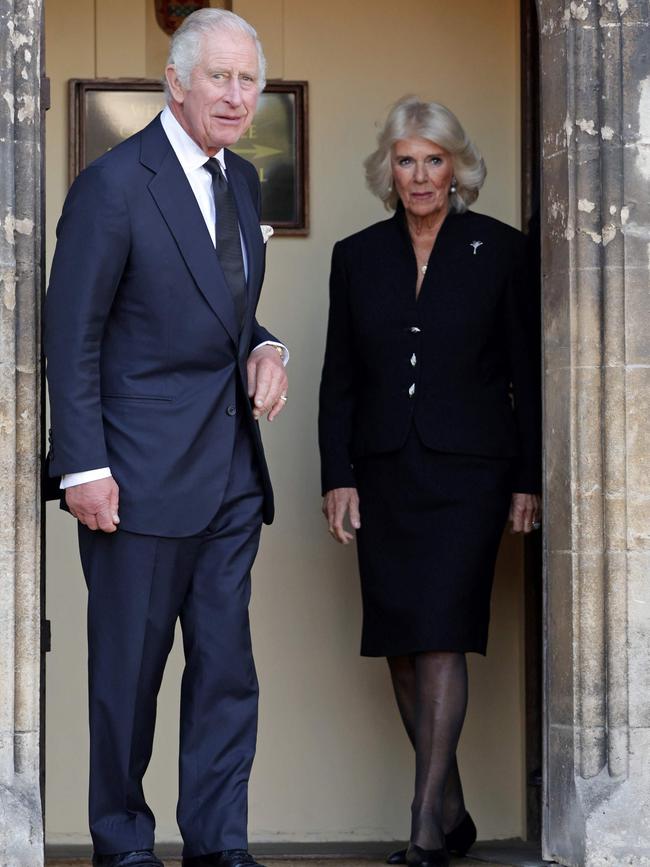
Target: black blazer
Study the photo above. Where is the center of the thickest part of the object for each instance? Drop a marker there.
(146, 360)
(460, 362)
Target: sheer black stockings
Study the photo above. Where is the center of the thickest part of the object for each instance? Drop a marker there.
(431, 693)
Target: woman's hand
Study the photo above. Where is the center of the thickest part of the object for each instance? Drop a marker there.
(338, 503)
(525, 512)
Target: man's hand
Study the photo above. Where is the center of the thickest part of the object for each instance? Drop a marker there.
(95, 504)
(267, 382)
(338, 503)
(525, 512)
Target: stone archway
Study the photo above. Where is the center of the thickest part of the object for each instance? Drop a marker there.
(21, 827)
(595, 81)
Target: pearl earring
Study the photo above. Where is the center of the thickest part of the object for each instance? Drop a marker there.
(452, 188)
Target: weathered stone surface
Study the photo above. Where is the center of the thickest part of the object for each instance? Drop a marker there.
(638, 446)
(638, 636)
(558, 422)
(563, 814)
(21, 832)
(637, 307)
(559, 676)
(20, 824)
(596, 165)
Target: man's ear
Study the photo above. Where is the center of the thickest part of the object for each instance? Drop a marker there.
(175, 87)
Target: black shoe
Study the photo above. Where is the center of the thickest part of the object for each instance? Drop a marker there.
(458, 841)
(461, 838)
(227, 858)
(416, 856)
(141, 858)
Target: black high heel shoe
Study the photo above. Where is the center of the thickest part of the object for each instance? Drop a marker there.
(458, 841)
(416, 856)
(461, 838)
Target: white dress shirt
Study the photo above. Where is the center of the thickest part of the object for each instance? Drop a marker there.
(191, 158)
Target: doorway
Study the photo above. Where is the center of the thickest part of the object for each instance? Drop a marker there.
(297, 562)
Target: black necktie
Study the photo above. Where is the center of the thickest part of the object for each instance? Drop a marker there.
(228, 241)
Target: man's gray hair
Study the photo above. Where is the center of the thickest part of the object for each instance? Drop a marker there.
(187, 43)
(411, 118)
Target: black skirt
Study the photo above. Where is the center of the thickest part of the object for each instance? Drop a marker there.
(431, 524)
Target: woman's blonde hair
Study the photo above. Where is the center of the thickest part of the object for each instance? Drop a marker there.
(411, 118)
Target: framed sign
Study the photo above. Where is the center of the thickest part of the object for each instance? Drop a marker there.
(103, 112)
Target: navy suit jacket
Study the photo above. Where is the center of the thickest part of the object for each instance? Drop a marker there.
(461, 362)
(146, 362)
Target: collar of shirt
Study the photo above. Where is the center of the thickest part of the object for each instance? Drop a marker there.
(192, 159)
(189, 154)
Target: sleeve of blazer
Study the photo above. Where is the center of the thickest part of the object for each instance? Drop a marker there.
(261, 335)
(338, 385)
(523, 338)
(93, 241)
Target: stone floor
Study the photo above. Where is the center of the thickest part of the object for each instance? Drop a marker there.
(465, 862)
(509, 853)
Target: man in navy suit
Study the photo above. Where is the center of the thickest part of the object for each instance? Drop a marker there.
(158, 373)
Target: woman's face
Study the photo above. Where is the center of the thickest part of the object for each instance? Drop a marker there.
(422, 174)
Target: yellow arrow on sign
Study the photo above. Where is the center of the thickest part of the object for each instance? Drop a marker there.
(256, 151)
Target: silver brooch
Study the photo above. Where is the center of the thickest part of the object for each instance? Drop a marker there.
(476, 245)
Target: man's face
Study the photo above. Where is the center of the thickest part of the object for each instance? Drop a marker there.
(220, 104)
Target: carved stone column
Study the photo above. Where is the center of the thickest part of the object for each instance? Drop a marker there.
(21, 832)
(595, 63)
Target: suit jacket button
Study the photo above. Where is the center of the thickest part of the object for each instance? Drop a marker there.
(232, 410)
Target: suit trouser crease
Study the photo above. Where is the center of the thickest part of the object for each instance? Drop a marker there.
(138, 587)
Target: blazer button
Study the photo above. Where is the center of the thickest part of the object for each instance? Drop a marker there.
(232, 410)
(414, 329)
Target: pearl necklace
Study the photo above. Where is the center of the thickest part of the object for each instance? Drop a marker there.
(423, 269)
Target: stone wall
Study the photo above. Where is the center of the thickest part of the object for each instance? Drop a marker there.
(596, 250)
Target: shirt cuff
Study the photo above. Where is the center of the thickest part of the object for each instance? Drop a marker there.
(69, 480)
(285, 351)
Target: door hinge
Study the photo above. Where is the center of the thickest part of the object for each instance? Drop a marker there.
(46, 636)
(45, 93)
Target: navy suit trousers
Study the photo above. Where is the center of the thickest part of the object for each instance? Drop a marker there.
(138, 586)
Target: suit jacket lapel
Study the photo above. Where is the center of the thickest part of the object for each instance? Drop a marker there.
(449, 246)
(175, 199)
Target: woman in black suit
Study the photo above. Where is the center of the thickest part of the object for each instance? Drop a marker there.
(429, 432)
